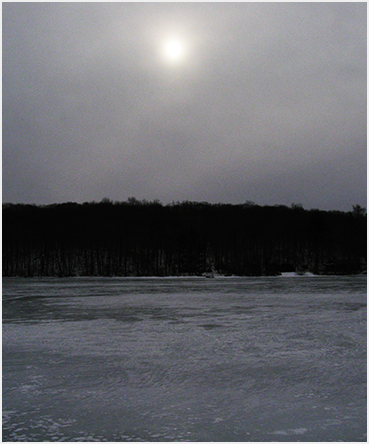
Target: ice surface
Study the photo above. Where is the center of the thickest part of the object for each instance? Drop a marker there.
(185, 359)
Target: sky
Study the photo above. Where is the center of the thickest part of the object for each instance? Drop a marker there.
(216, 102)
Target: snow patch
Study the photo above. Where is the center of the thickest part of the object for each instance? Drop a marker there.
(294, 274)
(300, 431)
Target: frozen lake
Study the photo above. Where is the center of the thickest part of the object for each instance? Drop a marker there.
(184, 359)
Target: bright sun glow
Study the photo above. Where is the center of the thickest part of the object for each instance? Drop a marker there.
(174, 50)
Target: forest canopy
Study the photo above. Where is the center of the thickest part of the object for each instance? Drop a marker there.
(142, 238)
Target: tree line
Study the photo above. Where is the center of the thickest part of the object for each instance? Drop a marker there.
(141, 238)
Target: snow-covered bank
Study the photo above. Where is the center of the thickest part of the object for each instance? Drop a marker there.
(294, 274)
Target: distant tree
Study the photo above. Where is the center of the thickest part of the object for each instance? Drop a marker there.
(357, 210)
(297, 206)
(133, 201)
(249, 203)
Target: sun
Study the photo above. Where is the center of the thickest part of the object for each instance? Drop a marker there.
(174, 50)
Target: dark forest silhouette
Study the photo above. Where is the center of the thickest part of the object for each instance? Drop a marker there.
(140, 238)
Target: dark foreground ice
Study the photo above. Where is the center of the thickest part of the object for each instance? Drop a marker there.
(184, 359)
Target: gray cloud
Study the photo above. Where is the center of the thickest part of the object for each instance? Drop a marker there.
(268, 104)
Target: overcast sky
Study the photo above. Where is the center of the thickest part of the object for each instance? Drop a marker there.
(254, 101)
